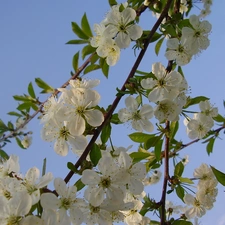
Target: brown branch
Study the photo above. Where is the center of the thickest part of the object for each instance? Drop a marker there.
(14, 132)
(166, 174)
(118, 98)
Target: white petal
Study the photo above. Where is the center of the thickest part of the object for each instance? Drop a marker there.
(94, 117)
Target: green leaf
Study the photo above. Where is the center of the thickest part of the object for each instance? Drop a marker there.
(46, 88)
(158, 150)
(219, 119)
(34, 107)
(31, 90)
(112, 2)
(95, 154)
(180, 70)
(79, 184)
(105, 68)
(3, 155)
(23, 98)
(72, 167)
(85, 26)
(180, 192)
(209, 147)
(106, 132)
(138, 156)
(14, 114)
(219, 175)
(152, 141)
(3, 127)
(173, 129)
(77, 30)
(77, 42)
(10, 126)
(19, 143)
(158, 45)
(115, 119)
(185, 180)
(179, 169)
(91, 67)
(194, 101)
(140, 137)
(87, 50)
(24, 106)
(75, 61)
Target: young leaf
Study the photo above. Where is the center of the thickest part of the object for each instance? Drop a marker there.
(14, 114)
(219, 119)
(209, 147)
(138, 156)
(3, 127)
(185, 180)
(24, 106)
(3, 155)
(77, 42)
(105, 68)
(158, 45)
(112, 2)
(140, 137)
(85, 26)
(72, 167)
(158, 149)
(79, 184)
(194, 101)
(95, 154)
(180, 192)
(23, 98)
(87, 50)
(106, 132)
(173, 129)
(219, 175)
(91, 67)
(152, 141)
(46, 88)
(76, 29)
(10, 126)
(31, 90)
(19, 143)
(179, 169)
(76, 61)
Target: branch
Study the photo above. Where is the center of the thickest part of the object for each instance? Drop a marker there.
(166, 174)
(123, 88)
(14, 132)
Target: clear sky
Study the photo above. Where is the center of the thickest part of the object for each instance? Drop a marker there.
(32, 42)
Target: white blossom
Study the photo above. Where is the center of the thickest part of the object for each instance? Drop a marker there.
(139, 118)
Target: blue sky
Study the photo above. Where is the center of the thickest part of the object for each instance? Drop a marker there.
(32, 43)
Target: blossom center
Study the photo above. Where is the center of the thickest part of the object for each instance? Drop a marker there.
(94, 209)
(65, 203)
(105, 182)
(13, 220)
(64, 133)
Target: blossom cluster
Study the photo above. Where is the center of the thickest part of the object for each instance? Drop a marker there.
(113, 193)
(202, 122)
(166, 90)
(206, 193)
(65, 119)
(193, 40)
(19, 193)
(115, 32)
